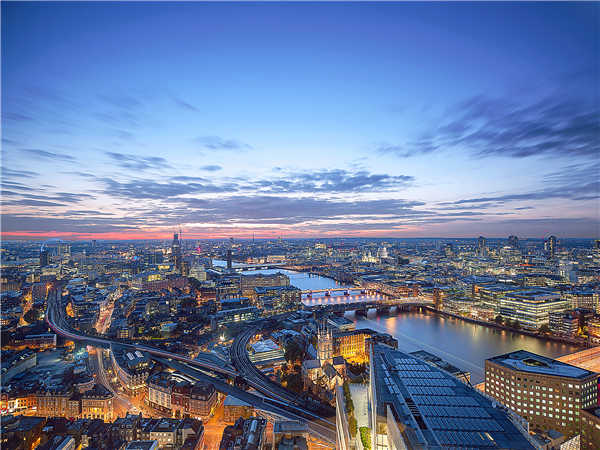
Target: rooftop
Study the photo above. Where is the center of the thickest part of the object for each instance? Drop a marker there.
(525, 361)
(435, 409)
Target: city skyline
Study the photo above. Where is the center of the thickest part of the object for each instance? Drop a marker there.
(300, 120)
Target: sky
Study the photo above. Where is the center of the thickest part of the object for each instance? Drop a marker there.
(132, 120)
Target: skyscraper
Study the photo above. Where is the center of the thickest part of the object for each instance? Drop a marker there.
(176, 252)
(513, 241)
(551, 246)
(481, 246)
(44, 258)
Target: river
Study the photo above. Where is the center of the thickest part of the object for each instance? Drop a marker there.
(464, 344)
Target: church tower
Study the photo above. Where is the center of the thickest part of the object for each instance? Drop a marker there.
(324, 344)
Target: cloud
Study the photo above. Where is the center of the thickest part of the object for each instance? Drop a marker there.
(13, 173)
(486, 126)
(48, 155)
(185, 105)
(150, 189)
(218, 143)
(211, 168)
(333, 181)
(129, 161)
(16, 117)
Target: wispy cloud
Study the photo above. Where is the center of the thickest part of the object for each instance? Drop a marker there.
(135, 162)
(219, 143)
(487, 126)
(48, 155)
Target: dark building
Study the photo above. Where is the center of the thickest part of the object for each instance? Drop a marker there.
(481, 246)
(44, 258)
(513, 241)
(229, 259)
(176, 252)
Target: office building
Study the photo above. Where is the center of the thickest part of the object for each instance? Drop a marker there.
(564, 323)
(549, 394)
(513, 241)
(417, 405)
(481, 249)
(531, 308)
(551, 246)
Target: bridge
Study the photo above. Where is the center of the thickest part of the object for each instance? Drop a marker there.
(362, 307)
(346, 290)
(239, 267)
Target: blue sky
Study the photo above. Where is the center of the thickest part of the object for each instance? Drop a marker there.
(300, 119)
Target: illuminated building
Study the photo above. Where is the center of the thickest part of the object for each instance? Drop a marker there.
(547, 393)
(531, 308)
(551, 246)
(132, 368)
(97, 403)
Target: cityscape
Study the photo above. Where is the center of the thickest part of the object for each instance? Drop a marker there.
(300, 226)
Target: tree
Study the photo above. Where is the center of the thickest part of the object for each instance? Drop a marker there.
(293, 352)
(352, 425)
(365, 437)
(544, 329)
(499, 320)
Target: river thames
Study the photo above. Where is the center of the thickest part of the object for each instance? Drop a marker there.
(464, 344)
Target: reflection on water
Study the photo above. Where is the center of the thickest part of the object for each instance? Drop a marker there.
(463, 344)
(466, 345)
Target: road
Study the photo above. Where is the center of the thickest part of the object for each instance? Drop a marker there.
(258, 380)
(279, 404)
(58, 325)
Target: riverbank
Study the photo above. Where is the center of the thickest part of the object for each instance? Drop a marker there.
(558, 339)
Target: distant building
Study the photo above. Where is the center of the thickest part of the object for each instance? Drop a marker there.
(513, 241)
(176, 253)
(564, 323)
(481, 249)
(547, 393)
(551, 246)
(531, 308)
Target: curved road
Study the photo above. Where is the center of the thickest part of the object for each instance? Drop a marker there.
(258, 380)
(52, 314)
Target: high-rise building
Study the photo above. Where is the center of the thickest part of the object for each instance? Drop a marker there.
(176, 252)
(418, 405)
(513, 241)
(551, 246)
(548, 393)
(44, 258)
(481, 246)
(229, 259)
